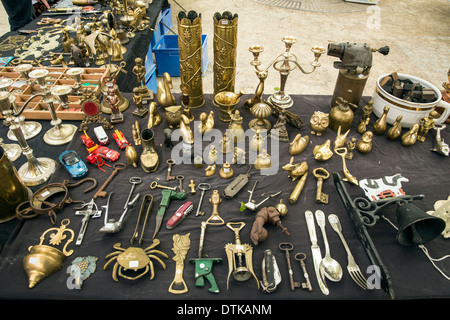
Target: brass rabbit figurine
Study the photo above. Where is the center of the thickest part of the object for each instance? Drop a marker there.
(164, 91)
(296, 170)
(340, 138)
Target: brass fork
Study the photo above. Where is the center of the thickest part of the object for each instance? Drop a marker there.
(352, 267)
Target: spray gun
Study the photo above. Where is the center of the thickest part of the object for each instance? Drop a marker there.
(354, 68)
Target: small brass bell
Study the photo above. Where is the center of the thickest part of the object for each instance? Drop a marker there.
(226, 171)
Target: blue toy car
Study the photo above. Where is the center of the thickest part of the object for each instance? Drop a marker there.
(73, 163)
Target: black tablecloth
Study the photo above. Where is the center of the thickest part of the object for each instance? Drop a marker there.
(136, 47)
(413, 276)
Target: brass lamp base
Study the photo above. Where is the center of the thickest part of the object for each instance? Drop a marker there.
(59, 136)
(37, 171)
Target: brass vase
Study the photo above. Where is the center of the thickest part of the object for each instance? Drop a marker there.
(190, 50)
(224, 46)
(12, 190)
(149, 157)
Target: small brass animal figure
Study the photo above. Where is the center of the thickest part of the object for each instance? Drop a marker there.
(340, 138)
(206, 122)
(319, 122)
(365, 144)
(295, 170)
(323, 152)
(298, 145)
(396, 130)
(410, 137)
(164, 91)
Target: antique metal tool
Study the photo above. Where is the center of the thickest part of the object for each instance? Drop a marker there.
(113, 226)
(101, 192)
(251, 205)
(180, 179)
(301, 257)
(239, 256)
(204, 266)
(342, 151)
(181, 245)
(271, 275)
(170, 163)
(148, 198)
(179, 215)
(204, 187)
(236, 185)
(287, 247)
(167, 196)
(321, 174)
(315, 250)
(91, 211)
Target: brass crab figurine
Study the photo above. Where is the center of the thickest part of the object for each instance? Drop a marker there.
(134, 258)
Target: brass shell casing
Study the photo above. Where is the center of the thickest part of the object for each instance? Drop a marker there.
(224, 46)
(190, 50)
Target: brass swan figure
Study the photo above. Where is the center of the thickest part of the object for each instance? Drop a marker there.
(163, 92)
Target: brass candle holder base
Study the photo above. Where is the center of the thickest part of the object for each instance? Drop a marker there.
(60, 135)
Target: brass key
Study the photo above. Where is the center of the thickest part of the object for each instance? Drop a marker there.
(170, 163)
(321, 174)
(155, 185)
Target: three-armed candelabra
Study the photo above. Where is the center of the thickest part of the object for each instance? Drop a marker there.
(284, 63)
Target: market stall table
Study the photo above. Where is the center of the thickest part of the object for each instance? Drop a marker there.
(412, 274)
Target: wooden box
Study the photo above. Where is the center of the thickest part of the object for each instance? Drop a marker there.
(91, 78)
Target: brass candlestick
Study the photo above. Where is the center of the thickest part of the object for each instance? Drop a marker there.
(30, 129)
(60, 133)
(36, 170)
(282, 63)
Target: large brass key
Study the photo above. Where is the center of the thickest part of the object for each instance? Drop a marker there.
(101, 192)
(155, 185)
(321, 174)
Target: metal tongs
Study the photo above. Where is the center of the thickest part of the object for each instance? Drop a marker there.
(251, 205)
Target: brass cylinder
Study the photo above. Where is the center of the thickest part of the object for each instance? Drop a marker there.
(190, 51)
(12, 190)
(345, 82)
(225, 43)
(295, 194)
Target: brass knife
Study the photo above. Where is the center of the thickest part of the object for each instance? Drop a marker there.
(315, 250)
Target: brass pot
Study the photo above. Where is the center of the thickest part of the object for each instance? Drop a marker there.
(12, 190)
(226, 102)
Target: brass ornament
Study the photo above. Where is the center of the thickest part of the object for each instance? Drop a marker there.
(154, 118)
(340, 139)
(318, 122)
(342, 151)
(396, 130)
(295, 170)
(298, 145)
(224, 47)
(210, 170)
(426, 124)
(226, 172)
(235, 128)
(149, 157)
(365, 144)
(173, 116)
(164, 91)
(380, 125)
(323, 152)
(44, 260)
(341, 115)
(263, 160)
(261, 111)
(410, 137)
(190, 50)
(131, 155)
(206, 123)
(134, 259)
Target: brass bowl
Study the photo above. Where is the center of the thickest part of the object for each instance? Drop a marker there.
(226, 101)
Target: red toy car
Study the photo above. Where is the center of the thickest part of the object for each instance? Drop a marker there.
(105, 153)
(120, 139)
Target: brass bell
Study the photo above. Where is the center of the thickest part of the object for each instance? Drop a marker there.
(416, 227)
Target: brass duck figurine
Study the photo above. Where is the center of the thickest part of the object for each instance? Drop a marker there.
(380, 125)
(365, 144)
(410, 137)
(164, 91)
(323, 152)
(396, 130)
(185, 130)
(298, 145)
